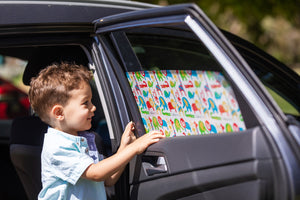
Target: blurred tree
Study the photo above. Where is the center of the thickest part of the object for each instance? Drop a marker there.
(273, 25)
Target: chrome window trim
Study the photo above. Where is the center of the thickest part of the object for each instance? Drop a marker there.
(123, 118)
(101, 96)
(175, 19)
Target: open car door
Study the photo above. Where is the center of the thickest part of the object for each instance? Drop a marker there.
(172, 70)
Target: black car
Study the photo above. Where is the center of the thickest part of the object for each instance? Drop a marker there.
(230, 111)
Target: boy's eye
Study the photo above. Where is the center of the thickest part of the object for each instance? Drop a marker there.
(86, 103)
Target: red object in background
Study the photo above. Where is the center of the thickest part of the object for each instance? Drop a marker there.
(3, 109)
(25, 102)
(13, 101)
(6, 88)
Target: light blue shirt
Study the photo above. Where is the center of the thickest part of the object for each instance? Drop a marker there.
(64, 159)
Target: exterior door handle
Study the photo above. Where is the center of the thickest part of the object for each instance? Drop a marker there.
(154, 165)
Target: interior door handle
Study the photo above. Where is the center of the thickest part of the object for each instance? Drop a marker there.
(154, 165)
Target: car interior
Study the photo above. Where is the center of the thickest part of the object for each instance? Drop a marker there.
(27, 132)
(244, 160)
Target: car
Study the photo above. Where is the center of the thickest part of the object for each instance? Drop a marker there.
(229, 110)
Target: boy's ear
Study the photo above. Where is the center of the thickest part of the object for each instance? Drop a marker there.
(57, 112)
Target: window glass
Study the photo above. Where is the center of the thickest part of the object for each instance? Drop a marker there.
(283, 89)
(185, 102)
(180, 89)
(163, 52)
(284, 105)
(280, 81)
(284, 94)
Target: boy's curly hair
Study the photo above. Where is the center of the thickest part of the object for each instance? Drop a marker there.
(53, 86)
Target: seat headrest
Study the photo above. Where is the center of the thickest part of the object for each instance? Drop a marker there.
(45, 56)
(28, 130)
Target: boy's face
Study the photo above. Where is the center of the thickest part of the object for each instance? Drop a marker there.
(79, 110)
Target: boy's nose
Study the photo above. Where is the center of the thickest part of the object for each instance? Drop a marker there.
(93, 108)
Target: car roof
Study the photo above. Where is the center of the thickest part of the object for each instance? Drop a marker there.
(62, 11)
(21, 18)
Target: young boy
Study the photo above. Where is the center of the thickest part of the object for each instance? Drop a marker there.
(61, 96)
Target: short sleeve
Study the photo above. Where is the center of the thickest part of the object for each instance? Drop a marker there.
(66, 159)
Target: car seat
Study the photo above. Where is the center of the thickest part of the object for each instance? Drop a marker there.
(27, 134)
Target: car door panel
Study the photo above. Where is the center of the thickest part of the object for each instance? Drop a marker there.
(184, 186)
(196, 164)
(211, 150)
(250, 188)
(210, 165)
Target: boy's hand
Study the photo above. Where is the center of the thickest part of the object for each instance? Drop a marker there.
(128, 136)
(143, 142)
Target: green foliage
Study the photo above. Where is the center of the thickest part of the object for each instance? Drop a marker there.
(273, 25)
(247, 11)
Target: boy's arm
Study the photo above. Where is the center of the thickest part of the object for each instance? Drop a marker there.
(127, 138)
(110, 181)
(111, 168)
(106, 168)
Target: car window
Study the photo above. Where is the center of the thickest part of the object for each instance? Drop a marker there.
(283, 89)
(181, 89)
(282, 83)
(162, 52)
(284, 105)
(13, 93)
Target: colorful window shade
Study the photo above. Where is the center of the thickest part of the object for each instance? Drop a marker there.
(185, 102)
